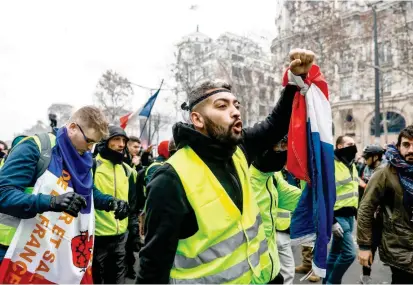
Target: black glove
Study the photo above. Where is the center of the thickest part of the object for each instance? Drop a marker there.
(120, 207)
(70, 203)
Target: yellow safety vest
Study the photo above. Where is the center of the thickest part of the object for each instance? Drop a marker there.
(346, 186)
(7, 232)
(288, 197)
(229, 247)
(267, 199)
(111, 179)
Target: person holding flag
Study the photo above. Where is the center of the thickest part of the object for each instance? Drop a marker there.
(47, 201)
(201, 197)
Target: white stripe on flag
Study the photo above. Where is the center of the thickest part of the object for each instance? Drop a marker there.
(320, 120)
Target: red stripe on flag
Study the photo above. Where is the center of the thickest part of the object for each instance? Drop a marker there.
(16, 273)
(297, 156)
(124, 120)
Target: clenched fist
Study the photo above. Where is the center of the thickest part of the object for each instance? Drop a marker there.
(301, 61)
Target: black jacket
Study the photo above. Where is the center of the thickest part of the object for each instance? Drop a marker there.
(169, 216)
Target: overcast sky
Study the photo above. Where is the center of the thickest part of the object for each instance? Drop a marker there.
(55, 51)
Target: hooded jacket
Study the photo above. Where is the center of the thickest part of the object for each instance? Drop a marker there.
(116, 178)
(169, 216)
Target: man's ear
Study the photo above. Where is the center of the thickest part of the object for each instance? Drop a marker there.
(71, 127)
(197, 120)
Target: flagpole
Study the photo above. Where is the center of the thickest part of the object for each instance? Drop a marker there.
(146, 121)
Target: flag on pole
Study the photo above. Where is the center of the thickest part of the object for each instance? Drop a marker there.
(147, 108)
(310, 138)
(145, 111)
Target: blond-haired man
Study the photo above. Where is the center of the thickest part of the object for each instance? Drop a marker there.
(47, 197)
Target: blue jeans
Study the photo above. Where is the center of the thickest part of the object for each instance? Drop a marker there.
(342, 252)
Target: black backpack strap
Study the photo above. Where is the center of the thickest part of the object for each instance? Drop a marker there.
(94, 167)
(45, 154)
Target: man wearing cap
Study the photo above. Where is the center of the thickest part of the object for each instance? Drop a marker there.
(203, 223)
(373, 155)
(114, 177)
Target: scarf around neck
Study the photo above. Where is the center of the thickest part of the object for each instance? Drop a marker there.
(405, 172)
(65, 157)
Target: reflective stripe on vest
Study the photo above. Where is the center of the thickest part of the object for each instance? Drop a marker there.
(218, 250)
(345, 181)
(229, 246)
(267, 197)
(231, 273)
(283, 215)
(347, 195)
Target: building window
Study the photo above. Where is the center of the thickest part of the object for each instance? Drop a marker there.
(236, 72)
(263, 95)
(363, 53)
(394, 121)
(403, 50)
(270, 81)
(197, 48)
(274, 95)
(260, 76)
(345, 88)
(346, 61)
(385, 53)
(206, 49)
(237, 58)
(263, 111)
(248, 75)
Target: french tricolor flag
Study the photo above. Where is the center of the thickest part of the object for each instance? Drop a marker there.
(311, 158)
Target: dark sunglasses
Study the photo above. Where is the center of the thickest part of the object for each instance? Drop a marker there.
(88, 141)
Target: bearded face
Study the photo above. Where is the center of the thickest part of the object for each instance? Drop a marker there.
(230, 135)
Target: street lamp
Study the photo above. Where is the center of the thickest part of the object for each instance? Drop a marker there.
(376, 77)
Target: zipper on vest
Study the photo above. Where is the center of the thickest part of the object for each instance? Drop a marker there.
(272, 222)
(114, 180)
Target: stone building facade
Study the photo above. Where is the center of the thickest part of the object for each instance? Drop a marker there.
(341, 35)
(233, 58)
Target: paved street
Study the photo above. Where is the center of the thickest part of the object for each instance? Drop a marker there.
(381, 274)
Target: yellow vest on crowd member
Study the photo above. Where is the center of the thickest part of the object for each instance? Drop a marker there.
(288, 197)
(267, 199)
(7, 232)
(346, 186)
(113, 180)
(229, 246)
